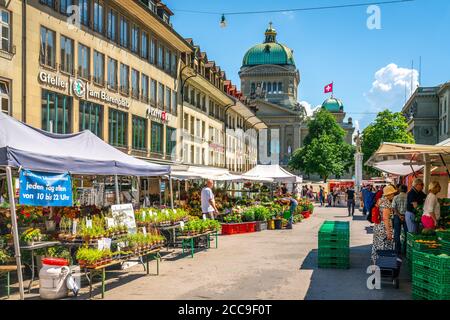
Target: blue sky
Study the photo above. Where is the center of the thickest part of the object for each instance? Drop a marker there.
(370, 68)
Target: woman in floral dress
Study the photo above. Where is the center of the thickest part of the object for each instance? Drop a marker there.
(382, 232)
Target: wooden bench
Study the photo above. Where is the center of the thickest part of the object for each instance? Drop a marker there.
(6, 270)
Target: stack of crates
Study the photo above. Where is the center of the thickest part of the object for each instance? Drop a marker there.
(334, 245)
(431, 276)
(410, 241)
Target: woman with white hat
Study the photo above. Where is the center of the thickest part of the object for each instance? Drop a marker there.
(383, 232)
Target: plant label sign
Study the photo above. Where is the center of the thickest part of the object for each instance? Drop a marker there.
(144, 231)
(74, 227)
(100, 244)
(88, 223)
(123, 214)
(107, 243)
(182, 225)
(45, 189)
(110, 223)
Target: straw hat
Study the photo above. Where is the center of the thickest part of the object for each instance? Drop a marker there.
(388, 190)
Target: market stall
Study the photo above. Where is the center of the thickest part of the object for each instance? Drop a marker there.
(53, 158)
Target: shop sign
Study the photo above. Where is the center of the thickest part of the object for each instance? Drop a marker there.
(45, 189)
(123, 214)
(162, 187)
(157, 114)
(81, 89)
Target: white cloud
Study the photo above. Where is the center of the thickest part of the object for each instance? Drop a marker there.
(309, 109)
(388, 88)
(289, 14)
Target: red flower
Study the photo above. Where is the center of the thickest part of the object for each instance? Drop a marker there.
(27, 215)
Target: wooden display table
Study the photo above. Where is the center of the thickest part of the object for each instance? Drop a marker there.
(6, 270)
(189, 240)
(90, 273)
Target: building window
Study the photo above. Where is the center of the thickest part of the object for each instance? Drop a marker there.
(168, 105)
(167, 60)
(67, 55)
(118, 128)
(174, 64)
(160, 56)
(186, 122)
(153, 51)
(56, 112)
(48, 48)
(157, 137)
(171, 141)
(124, 79)
(160, 96)
(112, 74)
(153, 92)
(280, 87)
(5, 97)
(64, 7)
(91, 117)
(5, 30)
(98, 16)
(84, 60)
(144, 45)
(49, 3)
(174, 102)
(84, 7)
(135, 39)
(99, 68)
(144, 87)
(135, 84)
(124, 32)
(112, 25)
(139, 133)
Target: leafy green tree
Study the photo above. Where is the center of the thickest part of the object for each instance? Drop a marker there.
(325, 151)
(387, 127)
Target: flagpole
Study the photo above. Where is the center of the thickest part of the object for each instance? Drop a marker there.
(332, 89)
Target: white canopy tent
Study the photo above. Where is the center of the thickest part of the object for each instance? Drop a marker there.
(273, 171)
(22, 146)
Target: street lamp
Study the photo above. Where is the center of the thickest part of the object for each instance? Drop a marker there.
(223, 22)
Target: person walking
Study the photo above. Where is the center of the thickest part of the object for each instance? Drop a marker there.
(209, 208)
(350, 197)
(431, 207)
(296, 192)
(321, 196)
(415, 198)
(382, 232)
(399, 209)
(335, 195)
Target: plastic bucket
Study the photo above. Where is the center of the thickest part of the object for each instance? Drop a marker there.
(270, 225)
(278, 224)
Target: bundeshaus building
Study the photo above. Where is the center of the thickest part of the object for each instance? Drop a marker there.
(114, 67)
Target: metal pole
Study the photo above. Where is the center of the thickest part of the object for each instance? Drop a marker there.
(171, 191)
(116, 183)
(15, 231)
(160, 195)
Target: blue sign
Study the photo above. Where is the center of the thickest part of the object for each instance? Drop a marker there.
(45, 189)
(162, 187)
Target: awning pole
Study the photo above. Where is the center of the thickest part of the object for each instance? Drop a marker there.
(160, 195)
(15, 231)
(443, 162)
(116, 182)
(171, 191)
(427, 172)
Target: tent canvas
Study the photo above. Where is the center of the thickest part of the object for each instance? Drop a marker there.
(273, 171)
(80, 153)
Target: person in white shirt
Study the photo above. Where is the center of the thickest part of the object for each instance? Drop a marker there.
(431, 207)
(209, 207)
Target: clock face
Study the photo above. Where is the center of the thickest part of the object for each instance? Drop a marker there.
(79, 88)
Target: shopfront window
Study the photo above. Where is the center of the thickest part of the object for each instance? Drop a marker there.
(171, 140)
(144, 87)
(139, 133)
(112, 25)
(5, 97)
(124, 79)
(67, 55)
(5, 30)
(99, 68)
(135, 84)
(118, 128)
(84, 7)
(56, 112)
(112, 74)
(91, 117)
(48, 48)
(84, 60)
(157, 137)
(124, 32)
(98, 16)
(135, 39)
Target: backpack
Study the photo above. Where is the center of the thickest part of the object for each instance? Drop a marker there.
(376, 215)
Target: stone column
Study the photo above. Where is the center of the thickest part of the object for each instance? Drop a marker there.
(358, 176)
(282, 142)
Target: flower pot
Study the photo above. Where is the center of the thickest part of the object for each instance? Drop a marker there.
(270, 225)
(278, 224)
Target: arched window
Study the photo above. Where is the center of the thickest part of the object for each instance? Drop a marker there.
(274, 87)
(264, 86)
(269, 87)
(253, 88)
(280, 87)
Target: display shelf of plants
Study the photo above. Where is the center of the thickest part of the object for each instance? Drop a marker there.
(196, 226)
(156, 218)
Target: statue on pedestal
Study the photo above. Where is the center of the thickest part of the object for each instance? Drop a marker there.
(357, 141)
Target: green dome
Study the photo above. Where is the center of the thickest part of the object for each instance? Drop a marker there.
(333, 105)
(269, 52)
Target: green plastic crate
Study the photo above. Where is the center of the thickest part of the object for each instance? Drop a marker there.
(334, 253)
(419, 293)
(440, 290)
(337, 260)
(430, 260)
(431, 275)
(334, 243)
(445, 246)
(411, 237)
(334, 265)
(443, 235)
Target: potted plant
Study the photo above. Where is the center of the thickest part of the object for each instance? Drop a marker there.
(30, 236)
(5, 257)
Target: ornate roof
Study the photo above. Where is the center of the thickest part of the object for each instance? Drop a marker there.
(269, 52)
(333, 105)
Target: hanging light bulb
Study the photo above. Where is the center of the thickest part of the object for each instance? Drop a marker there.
(223, 21)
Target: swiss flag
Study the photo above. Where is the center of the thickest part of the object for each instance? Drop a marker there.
(328, 88)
